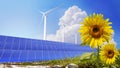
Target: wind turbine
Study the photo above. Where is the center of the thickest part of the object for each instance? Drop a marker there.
(75, 38)
(44, 17)
(63, 33)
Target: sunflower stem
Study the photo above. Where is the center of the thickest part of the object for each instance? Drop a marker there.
(98, 50)
(110, 66)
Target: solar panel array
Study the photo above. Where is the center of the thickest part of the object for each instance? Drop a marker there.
(13, 49)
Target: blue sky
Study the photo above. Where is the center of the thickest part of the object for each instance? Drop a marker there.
(21, 18)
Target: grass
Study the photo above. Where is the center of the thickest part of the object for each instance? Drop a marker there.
(56, 62)
(87, 60)
(75, 60)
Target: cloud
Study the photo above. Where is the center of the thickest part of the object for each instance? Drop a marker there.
(71, 19)
(74, 15)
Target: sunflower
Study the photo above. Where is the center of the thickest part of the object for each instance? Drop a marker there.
(95, 30)
(108, 53)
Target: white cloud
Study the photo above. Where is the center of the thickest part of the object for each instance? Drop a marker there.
(71, 19)
(73, 15)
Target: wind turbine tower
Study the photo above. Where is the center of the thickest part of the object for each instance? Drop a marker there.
(63, 33)
(44, 17)
(76, 39)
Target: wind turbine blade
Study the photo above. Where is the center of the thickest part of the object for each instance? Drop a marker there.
(41, 12)
(50, 10)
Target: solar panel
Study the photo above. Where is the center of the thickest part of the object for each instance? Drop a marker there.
(13, 49)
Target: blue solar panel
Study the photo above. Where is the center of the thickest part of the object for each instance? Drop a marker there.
(13, 49)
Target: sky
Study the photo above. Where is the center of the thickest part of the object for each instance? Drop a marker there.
(22, 18)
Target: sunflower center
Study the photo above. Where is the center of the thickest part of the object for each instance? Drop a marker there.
(110, 54)
(95, 31)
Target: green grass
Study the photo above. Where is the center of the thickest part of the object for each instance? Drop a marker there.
(87, 60)
(75, 60)
(55, 62)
